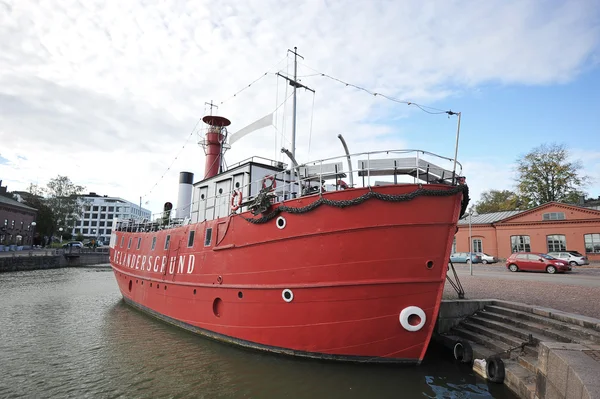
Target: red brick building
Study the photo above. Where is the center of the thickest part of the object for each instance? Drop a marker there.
(547, 228)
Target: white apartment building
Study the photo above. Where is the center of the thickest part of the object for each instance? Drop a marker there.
(99, 213)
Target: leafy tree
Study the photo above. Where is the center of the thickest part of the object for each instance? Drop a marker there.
(45, 220)
(64, 201)
(497, 201)
(545, 174)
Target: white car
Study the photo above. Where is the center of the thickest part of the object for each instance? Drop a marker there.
(573, 258)
(485, 258)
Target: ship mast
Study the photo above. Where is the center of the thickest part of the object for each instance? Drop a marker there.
(295, 84)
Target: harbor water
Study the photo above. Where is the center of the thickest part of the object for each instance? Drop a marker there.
(66, 333)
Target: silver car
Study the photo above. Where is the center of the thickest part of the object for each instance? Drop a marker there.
(573, 258)
(485, 258)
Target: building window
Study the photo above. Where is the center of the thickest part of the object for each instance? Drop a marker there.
(139, 243)
(93, 223)
(84, 231)
(108, 231)
(477, 245)
(86, 215)
(122, 241)
(153, 243)
(556, 243)
(101, 224)
(554, 216)
(95, 209)
(592, 243)
(111, 208)
(167, 242)
(208, 237)
(129, 243)
(520, 243)
(191, 238)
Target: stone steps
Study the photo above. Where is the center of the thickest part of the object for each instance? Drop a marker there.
(500, 328)
(584, 333)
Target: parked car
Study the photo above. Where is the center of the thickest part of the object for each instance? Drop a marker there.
(485, 258)
(463, 257)
(573, 258)
(533, 261)
(73, 244)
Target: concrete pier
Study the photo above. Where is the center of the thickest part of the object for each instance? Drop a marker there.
(546, 353)
(49, 259)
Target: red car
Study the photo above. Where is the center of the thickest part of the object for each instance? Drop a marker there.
(533, 261)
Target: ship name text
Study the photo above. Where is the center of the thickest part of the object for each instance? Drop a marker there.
(172, 264)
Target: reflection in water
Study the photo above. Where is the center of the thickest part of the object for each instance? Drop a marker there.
(67, 333)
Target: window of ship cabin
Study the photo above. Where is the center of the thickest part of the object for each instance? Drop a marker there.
(129, 243)
(167, 241)
(122, 241)
(208, 237)
(191, 238)
(139, 242)
(153, 243)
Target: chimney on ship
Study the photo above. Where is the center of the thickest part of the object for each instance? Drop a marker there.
(214, 144)
(184, 195)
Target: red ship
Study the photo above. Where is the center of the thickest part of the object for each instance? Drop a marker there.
(300, 260)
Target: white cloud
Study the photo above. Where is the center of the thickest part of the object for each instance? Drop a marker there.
(106, 92)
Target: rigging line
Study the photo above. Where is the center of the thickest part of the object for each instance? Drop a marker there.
(424, 108)
(312, 112)
(276, 114)
(254, 81)
(176, 156)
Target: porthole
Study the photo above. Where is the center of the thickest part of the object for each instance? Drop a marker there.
(287, 295)
(240, 295)
(220, 191)
(280, 222)
(429, 264)
(201, 196)
(194, 292)
(150, 285)
(165, 287)
(130, 285)
(158, 286)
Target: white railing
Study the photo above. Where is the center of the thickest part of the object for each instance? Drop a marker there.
(366, 169)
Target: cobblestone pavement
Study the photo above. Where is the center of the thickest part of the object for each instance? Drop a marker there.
(569, 298)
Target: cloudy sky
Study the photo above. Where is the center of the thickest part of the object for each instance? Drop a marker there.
(109, 92)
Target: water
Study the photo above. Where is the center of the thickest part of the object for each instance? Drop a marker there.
(67, 333)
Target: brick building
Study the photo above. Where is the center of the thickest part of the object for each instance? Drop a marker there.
(15, 222)
(550, 227)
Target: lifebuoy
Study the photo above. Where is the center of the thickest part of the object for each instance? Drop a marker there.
(235, 204)
(405, 320)
(343, 185)
(273, 183)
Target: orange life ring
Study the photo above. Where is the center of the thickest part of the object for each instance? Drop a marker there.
(343, 185)
(273, 182)
(235, 204)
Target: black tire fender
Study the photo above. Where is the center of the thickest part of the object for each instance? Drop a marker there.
(494, 367)
(462, 351)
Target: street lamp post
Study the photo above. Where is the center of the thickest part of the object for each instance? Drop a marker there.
(33, 224)
(60, 230)
(471, 213)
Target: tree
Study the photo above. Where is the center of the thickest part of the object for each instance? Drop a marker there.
(545, 174)
(497, 201)
(64, 201)
(45, 220)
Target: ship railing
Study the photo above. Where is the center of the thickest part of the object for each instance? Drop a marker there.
(365, 169)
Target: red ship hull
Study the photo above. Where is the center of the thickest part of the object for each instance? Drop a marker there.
(332, 283)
